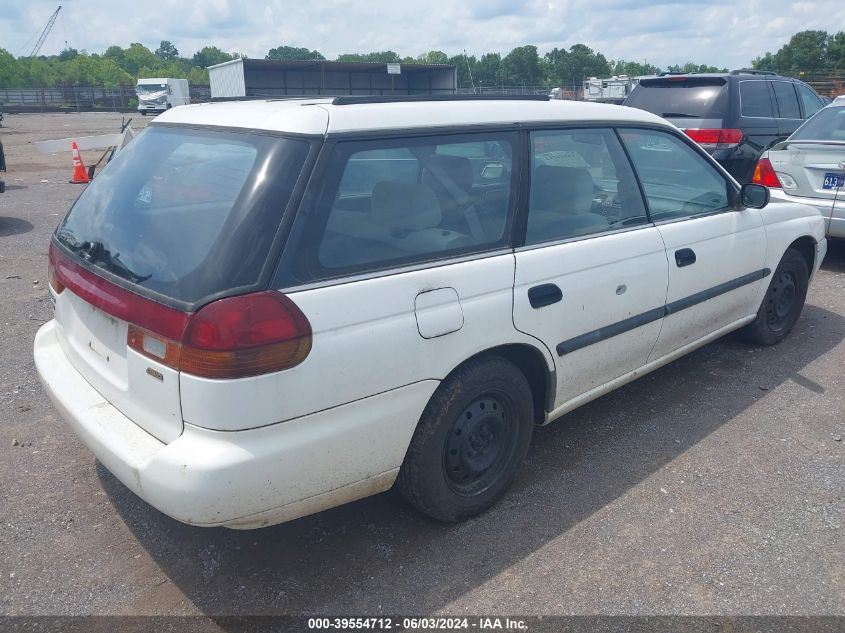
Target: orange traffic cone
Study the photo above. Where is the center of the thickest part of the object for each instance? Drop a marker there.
(80, 175)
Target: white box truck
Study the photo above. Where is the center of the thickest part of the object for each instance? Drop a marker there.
(157, 94)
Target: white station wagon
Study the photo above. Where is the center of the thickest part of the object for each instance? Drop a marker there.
(269, 308)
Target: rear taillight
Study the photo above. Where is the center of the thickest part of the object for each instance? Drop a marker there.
(245, 336)
(234, 337)
(55, 284)
(764, 174)
(716, 138)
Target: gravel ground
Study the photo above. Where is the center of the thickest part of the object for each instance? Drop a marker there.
(713, 486)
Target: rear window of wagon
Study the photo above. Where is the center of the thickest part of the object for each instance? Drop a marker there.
(186, 213)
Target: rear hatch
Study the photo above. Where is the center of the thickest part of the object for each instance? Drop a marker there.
(811, 163)
(179, 218)
(699, 105)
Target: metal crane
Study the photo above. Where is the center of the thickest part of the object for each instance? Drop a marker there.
(45, 32)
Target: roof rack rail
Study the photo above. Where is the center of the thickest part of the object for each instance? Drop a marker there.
(751, 71)
(355, 99)
(265, 98)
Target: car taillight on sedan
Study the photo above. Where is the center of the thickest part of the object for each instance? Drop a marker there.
(716, 138)
(764, 174)
(234, 337)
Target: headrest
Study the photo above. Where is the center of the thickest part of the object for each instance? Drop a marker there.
(458, 168)
(562, 189)
(405, 206)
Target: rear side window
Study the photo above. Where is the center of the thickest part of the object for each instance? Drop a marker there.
(394, 202)
(682, 97)
(581, 183)
(755, 100)
(677, 180)
(827, 125)
(786, 100)
(186, 213)
(809, 101)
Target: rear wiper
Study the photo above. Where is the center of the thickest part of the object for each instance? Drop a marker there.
(680, 114)
(97, 254)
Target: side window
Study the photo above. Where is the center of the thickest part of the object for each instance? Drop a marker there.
(787, 101)
(581, 183)
(809, 101)
(393, 202)
(755, 99)
(678, 182)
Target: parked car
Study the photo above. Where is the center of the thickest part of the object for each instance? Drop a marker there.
(734, 116)
(268, 308)
(809, 167)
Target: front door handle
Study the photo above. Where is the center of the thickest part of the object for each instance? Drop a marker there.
(684, 257)
(544, 295)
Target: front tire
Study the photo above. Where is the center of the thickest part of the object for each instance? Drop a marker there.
(783, 302)
(470, 442)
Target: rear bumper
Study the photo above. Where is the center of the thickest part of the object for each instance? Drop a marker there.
(242, 479)
(834, 217)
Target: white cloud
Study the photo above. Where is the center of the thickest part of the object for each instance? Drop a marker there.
(664, 32)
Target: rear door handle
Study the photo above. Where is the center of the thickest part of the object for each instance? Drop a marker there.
(544, 295)
(684, 257)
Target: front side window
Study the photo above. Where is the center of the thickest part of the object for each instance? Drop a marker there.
(809, 101)
(581, 183)
(677, 180)
(395, 202)
(787, 101)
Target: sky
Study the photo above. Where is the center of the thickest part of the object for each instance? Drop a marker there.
(727, 33)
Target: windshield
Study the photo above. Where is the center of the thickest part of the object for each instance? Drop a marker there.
(682, 97)
(145, 89)
(186, 213)
(828, 124)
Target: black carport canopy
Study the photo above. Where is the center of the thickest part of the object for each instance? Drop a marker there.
(273, 78)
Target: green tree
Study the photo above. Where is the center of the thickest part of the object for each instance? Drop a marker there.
(466, 69)
(292, 52)
(385, 57)
(486, 71)
(522, 67)
(67, 54)
(12, 73)
(633, 69)
(433, 57)
(166, 51)
(137, 56)
(211, 55)
(806, 50)
(570, 67)
(691, 67)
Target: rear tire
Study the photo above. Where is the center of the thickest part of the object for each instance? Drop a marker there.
(470, 442)
(782, 303)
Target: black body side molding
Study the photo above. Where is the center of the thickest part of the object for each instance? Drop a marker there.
(620, 327)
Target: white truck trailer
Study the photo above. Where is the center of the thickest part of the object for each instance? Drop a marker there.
(157, 94)
(610, 90)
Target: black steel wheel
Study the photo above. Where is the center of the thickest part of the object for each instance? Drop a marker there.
(479, 444)
(783, 302)
(470, 441)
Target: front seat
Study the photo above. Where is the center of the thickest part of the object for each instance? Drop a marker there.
(560, 204)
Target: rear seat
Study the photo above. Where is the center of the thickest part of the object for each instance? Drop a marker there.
(560, 203)
(404, 220)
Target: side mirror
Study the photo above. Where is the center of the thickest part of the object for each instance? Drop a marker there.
(754, 196)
